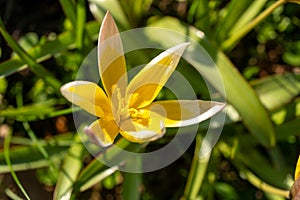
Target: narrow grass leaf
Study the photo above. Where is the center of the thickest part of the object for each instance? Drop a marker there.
(277, 90)
(110, 155)
(8, 161)
(99, 7)
(80, 23)
(260, 184)
(233, 13)
(253, 160)
(36, 68)
(29, 157)
(69, 10)
(71, 167)
(98, 178)
(12, 195)
(252, 11)
(233, 39)
(64, 41)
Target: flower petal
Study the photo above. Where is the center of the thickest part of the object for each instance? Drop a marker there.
(297, 170)
(146, 85)
(102, 132)
(185, 112)
(111, 60)
(134, 131)
(88, 96)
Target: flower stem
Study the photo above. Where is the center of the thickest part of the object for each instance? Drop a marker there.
(197, 172)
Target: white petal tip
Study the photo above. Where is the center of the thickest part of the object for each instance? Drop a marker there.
(179, 48)
(93, 138)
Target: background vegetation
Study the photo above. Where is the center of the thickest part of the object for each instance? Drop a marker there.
(256, 46)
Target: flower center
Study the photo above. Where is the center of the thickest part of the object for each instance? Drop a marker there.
(141, 117)
(123, 112)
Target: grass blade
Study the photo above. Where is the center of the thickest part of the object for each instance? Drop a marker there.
(277, 90)
(69, 10)
(8, 161)
(98, 177)
(42, 52)
(29, 157)
(99, 8)
(70, 169)
(231, 41)
(252, 11)
(80, 23)
(36, 68)
(233, 13)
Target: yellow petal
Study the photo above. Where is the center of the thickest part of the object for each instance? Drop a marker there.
(297, 171)
(185, 112)
(102, 132)
(146, 85)
(135, 131)
(88, 96)
(111, 60)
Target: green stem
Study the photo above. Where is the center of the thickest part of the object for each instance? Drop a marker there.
(227, 44)
(254, 180)
(197, 172)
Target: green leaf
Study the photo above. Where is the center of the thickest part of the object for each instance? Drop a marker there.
(238, 91)
(98, 178)
(3, 85)
(71, 167)
(69, 10)
(234, 12)
(95, 167)
(7, 158)
(253, 159)
(100, 7)
(35, 67)
(252, 11)
(80, 23)
(44, 51)
(234, 38)
(30, 157)
(277, 90)
(226, 191)
(257, 182)
(30, 112)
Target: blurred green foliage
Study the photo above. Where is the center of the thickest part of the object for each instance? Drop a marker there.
(255, 45)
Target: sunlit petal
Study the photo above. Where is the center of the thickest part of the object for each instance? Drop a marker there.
(297, 171)
(111, 60)
(146, 85)
(102, 132)
(136, 131)
(88, 96)
(185, 112)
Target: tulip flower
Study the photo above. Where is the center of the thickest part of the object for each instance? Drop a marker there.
(129, 108)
